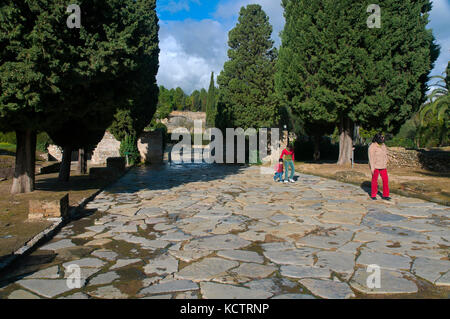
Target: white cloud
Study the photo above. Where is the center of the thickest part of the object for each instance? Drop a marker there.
(229, 10)
(177, 6)
(190, 51)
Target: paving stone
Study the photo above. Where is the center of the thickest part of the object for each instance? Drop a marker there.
(49, 273)
(268, 284)
(189, 255)
(170, 286)
(108, 292)
(339, 262)
(430, 269)
(104, 279)
(241, 255)
(299, 256)
(45, 287)
(305, 272)
(125, 262)
(162, 265)
(85, 235)
(206, 269)
(328, 240)
(98, 242)
(386, 261)
(210, 290)
(444, 280)
(294, 296)
(105, 254)
(22, 294)
(62, 244)
(252, 270)
(78, 295)
(86, 263)
(328, 289)
(175, 236)
(391, 282)
(219, 242)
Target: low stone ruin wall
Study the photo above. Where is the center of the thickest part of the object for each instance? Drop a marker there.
(437, 161)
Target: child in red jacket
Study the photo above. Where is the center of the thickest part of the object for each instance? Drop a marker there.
(279, 171)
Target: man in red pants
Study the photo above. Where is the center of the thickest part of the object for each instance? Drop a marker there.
(378, 165)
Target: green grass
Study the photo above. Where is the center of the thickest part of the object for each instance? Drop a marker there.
(8, 147)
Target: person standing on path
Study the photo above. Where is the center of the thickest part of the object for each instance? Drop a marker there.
(378, 166)
(288, 157)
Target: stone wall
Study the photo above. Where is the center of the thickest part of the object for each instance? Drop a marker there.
(438, 161)
(55, 152)
(150, 146)
(108, 147)
(184, 119)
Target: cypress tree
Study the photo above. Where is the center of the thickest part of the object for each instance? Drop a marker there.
(246, 84)
(335, 70)
(211, 103)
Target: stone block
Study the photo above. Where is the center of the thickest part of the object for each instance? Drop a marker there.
(150, 146)
(53, 168)
(39, 209)
(116, 163)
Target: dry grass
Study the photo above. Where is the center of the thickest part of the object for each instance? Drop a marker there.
(405, 181)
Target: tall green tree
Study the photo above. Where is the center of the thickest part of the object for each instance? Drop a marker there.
(211, 103)
(203, 99)
(246, 84)
(196, 102)
(54, 77)
(334, 69)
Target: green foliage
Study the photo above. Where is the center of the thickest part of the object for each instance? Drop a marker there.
(43, 141)
(211, 103)
(332, 67)
(128, 148)
(8, 138)
(246, 84)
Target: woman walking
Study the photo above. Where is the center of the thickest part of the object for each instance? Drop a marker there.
(378, 166)
(288, 157)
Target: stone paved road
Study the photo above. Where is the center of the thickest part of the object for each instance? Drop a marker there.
(227, 232)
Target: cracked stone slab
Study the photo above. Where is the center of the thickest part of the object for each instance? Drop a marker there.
(210, 290)
(391, 282)
(108, 292)
(189, 255)
(45, 287)
(206, 269)
(252, 270)
(339, 262)
(219, 242)
(328, 289)
(387, 261)
(299, 256)
(78, 296)
(124, 262)
(22, 294)
(104, 279)
(170, 286)
(86, 263)
(332, 239)
(162, 265)
(444, 280)
(175, 236)
(241, 255)
(48, 273)
(105, 254)
(301, 272)
(294, 296)
(430, 269)
(62, 244)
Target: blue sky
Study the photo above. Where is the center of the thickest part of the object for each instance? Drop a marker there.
(194, 35)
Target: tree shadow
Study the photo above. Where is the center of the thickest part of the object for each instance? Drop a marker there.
(367, 187)
(435, 160)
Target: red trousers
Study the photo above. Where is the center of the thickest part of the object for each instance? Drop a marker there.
(384, 177)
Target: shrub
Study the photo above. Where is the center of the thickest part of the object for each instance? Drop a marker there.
(9, 137)
(43, 141)
(128, 147)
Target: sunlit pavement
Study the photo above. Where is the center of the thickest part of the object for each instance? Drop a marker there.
(202, 231)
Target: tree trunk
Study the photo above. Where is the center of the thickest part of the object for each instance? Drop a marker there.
(82, 161)
(345, 141)
(64, 171)
(24, 171)
(316, 155)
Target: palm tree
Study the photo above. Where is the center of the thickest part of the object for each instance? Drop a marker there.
(436, 111)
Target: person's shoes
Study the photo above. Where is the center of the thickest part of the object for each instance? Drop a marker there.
(387, 198)
(291, 180)
(286, 181)
(373, 198)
